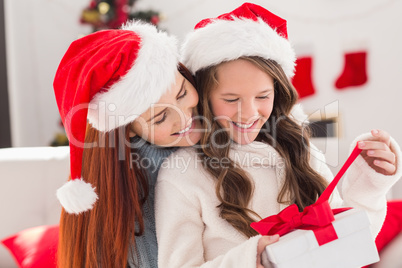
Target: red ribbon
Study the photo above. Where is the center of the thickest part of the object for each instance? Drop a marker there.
(317, 217)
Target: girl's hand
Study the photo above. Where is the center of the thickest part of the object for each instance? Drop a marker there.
(262, 243)
(378, 154)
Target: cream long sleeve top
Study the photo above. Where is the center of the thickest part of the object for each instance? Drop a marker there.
(191, 233)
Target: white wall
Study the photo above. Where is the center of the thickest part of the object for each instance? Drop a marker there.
(36, 43)
(38, 33)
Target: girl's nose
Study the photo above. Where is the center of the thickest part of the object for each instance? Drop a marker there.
(248, 111)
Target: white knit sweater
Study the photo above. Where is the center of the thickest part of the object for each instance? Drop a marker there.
(190, 232)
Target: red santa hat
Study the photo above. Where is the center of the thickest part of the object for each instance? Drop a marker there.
(109, 78)
(249, 30)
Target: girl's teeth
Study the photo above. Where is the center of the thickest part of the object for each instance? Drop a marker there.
(243, 125)
(186, 129)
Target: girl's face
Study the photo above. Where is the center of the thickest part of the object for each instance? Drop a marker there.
(173, 120)
(243, 99)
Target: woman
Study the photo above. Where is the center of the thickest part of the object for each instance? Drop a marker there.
(130, 87)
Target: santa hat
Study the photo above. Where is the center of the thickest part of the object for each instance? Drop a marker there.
(109, 78)
(249, 30)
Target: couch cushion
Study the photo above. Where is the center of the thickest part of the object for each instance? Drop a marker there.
(34, 247)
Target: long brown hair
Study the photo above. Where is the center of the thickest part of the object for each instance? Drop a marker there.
(101, 237)
(234, 188)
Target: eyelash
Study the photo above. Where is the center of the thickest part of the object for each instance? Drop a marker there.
(231, 101)
(261, 98)
(162, 120)
(164, 115)
(183, 95)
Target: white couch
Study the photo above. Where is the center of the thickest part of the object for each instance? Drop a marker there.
(29, 178)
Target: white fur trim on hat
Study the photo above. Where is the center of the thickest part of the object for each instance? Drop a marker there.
(152, 75)
(299, 115)
(224, 40)
(77, 196)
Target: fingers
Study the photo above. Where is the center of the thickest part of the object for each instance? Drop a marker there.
(378, 154)
(387, 156)
(373, 145)
(389, 169)
(381, 136)
(262, 243)
(267, 240)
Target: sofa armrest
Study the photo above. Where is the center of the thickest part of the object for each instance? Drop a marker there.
(28, 183)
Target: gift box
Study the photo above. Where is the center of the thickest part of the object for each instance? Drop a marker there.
(319, 236)
(353, 248)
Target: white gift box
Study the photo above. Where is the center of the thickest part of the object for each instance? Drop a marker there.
(354, 247)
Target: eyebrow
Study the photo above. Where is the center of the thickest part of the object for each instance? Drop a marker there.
(229, 94)
(233, 94)
(181, 88)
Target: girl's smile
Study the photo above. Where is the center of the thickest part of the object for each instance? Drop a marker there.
(242, 127)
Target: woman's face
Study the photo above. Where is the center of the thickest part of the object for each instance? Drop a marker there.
(173, 121)
(243, 99)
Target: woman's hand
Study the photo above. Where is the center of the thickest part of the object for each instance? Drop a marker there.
(262, 243)
(378, 154)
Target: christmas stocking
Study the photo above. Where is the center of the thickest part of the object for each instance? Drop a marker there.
(354, 72)
(302, 80)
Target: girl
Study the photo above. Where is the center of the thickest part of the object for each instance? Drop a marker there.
(255, 159)
(138, 95)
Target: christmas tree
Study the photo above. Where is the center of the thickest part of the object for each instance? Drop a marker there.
(111, 14)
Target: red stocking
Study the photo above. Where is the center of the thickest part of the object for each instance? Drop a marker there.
(302, 80)
(354, 72)
(392, 225)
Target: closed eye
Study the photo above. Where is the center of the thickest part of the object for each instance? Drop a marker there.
(263, 97)
(161, 120)
(231, 100)
(182, 95)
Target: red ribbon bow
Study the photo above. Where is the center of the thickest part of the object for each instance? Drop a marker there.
(316, 217)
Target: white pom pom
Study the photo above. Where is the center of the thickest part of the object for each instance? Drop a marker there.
(299, 115)
(77, 196)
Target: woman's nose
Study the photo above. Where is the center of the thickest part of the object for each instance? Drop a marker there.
(186, 110)
(183, 117)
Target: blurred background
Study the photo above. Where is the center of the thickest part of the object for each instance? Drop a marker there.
(35, 34)
(348, 76)
(348, 73)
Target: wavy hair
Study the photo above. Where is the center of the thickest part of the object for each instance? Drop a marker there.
(234, 188)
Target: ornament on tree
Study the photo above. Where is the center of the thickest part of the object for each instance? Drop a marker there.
(148, 16)
(302, 81)
(155, 19)
(60, 138)
(354, 70)
(91, 16)
(112, 14)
